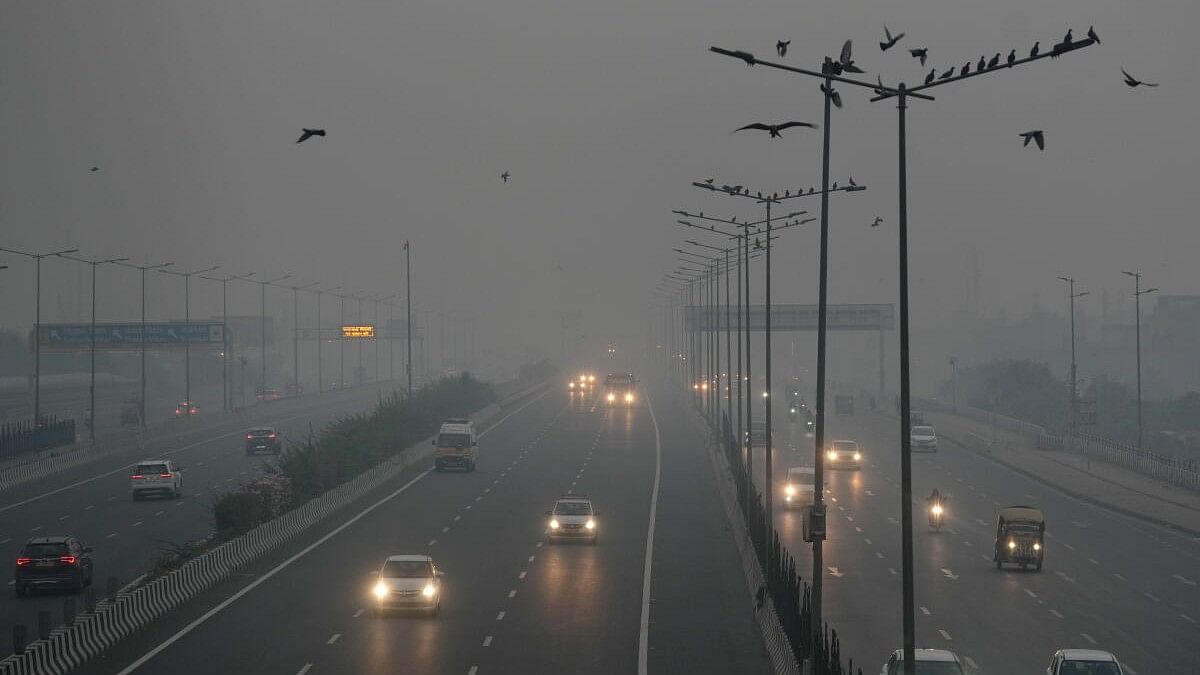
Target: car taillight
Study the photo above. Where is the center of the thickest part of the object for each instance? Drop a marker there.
(23, 561)
(164, 475)
(271, 436)
(67, 559)
(136, 477)
(249, 437)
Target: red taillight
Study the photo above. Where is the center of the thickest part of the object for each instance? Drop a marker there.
(272, 436)
(23, 561)
(164, 475)
(136, 477)
(249, 437)
(68, 559)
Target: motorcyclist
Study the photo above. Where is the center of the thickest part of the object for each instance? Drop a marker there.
(936, 502)
(935, 498)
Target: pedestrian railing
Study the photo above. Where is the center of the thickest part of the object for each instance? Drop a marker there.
(1173, 470)
(20, 437)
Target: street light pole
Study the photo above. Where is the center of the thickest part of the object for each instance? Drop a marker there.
(1074, 399)
(1137, 310)
(262, 387)
(187, 335)
(296, 335)
(142, 400)
(226, 398)
(408, 367)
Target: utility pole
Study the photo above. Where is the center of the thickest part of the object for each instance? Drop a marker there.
(187, 334)
(1074, 401)
(142, 376)
(408, 363)
(91, 422)
(226, 395)
(1137, 311)
(262, 388)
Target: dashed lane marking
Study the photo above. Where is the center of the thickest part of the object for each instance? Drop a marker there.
(945, 635)
(1087, 637)
(487, 641)
(521, 575)
(512, 593)
(304, 669)
(1056, 613)
(925, 611)
(500, 616)
(971, 662)
(360, 612)
(334, 638)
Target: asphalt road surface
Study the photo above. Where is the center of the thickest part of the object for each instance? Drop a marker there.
(1109, 582)
(512, 603)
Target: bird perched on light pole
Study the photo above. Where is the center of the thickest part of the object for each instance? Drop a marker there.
(781, 46)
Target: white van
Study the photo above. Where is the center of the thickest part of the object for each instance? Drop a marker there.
(798, 491)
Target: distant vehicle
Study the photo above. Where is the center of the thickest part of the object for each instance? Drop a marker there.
(263, 439)
(53, 562)
(457, 445)
(620, 389)
(1083, 662)
(583, 383)
(844, 455)
(937, 515)
(927, 661)
(843, 404)
(131, 412)
(408, 582)
(156, 477)
(572, 518)
(186, 408)
(269, 395)
(1020, 537)
(799, 489)
(923, 438)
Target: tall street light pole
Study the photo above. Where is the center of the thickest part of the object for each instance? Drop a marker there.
(320, 342)
(296, 334)
(1074, 400)
(262, 387)
(408, 367)
(226, 401)
(91, 422)
(1137, 311)
(142, 347)
(187, 335)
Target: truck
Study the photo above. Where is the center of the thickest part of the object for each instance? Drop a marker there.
(456, 445)
(1020, 537)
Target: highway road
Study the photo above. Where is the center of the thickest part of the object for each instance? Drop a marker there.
(512, 603)
(92, 502)
(1109, 582)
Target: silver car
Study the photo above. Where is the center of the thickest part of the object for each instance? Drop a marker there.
(923, 438)
(572, 518)
(408, 582)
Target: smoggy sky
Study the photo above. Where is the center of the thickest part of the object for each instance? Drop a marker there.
(603, 111)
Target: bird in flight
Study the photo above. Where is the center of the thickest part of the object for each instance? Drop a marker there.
(878, 222)
(922, 53)
(846, 61)
(504, 176)
(309, 133)
(1134, 82)
(890, 40)
(1036, 136)
(833, 96)
(94, 169)
(781, 46)
(1092, 34)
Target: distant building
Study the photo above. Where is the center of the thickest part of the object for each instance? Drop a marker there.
(1171, 356)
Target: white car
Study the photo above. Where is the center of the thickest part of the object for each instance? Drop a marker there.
(799, 489)
(923, 438)
(844, 455)
(928, 662)
(156, 477)
(572, 518)
(408, 582)
(1083, 662)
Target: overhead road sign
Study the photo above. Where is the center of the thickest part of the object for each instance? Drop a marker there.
(75, 336)
(358, 331)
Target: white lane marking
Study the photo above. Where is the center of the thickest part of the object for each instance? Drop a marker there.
(858, 529)
(892, 570)
(1056, 613)
(304, 669)
(521, 575)
(487, 641)
(360, 612)
(6, 540)
(478, 498)
(333, 638)
(644, 628)
(1064, 577)
(834, 572)
(925, 611)
(1069, 546)
(539, 544)
(110, 535)
(1183, 579)
(867, 540)
(35, 529)
(1118, 575)
(160, 513)
(971, 662)
(949, 574)
(138, 523)
(500, 616)
(1087, 637)
(445, 530)
(1151, 596)
(512, 593)
(473, 670)
(1030, 593)
(1187, 618)
(532, 558)
(878, 555)
(458, 517)
(61, 518)
(431, 542)
(945, 635)
(467, 507)
(1093, 561)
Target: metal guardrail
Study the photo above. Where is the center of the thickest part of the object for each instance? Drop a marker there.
(1170, 469)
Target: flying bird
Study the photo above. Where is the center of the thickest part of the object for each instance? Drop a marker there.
(890, 39)
(994, 62)
(1034, 52)
(1092, 34)
(847, 62)
(932, 74)
(1012, 56)
(1134, 82)
(504, 176)
(774, 129)
(309, 133)
(781, 46)
(94, 169)
(1035, 136)
(833, 96)
(922, 53)
(878, 222)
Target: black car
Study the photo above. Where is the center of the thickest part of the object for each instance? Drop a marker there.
(263, 439)
(53, 562)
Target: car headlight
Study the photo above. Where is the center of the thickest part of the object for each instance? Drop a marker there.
(790, 490)
(591, 378)
(937, 509)
(1012, 544)
(612, 397)
(429, 590)
(629, 397)
(554, 523)
(857, 456)
(591, 524)
(792, 410)
(1037, 546)
(570, 385)
(831, 455)
(380, 590)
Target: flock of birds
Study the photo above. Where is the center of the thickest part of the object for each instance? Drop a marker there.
(845, 64)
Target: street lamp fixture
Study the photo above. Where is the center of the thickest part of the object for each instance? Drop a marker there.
(1137, 310)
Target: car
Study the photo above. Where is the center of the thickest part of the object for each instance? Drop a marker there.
(923, 438)
(186, 408)
(844, 455)
(53, 562)
(268, 395)
(572, 517)
(1083, 662)
(263, 439)
(408, 582)
(798, 491)
(156, 477)
(928, 662)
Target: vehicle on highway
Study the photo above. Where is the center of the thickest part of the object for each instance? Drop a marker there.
(156, 477)
(572, 517)
(799, 489)
(269, 395)
(457, 445)
(937, 515)
(1083, 662)
(53, 562)
(927, 661)
(584, 382)
(844, 455)
(186, 408)
(263, 439)
(620, 389)
(923, 438)
(408, 582)
(1020, 537)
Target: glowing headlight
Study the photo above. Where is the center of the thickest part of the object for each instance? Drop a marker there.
(629, 397)
(1037, 546)
(695, 386)
(704, 386)
(937, 509)
(429, 590)
(831, 455)
(591, 378)
(612, 397)
(554, 523)
(380, 590)
(857, 456)
(570, 385)
(790, 490)
(792, 410)
(591, 524)
(1012, 544)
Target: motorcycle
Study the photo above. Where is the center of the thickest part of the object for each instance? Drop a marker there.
(937, 516)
